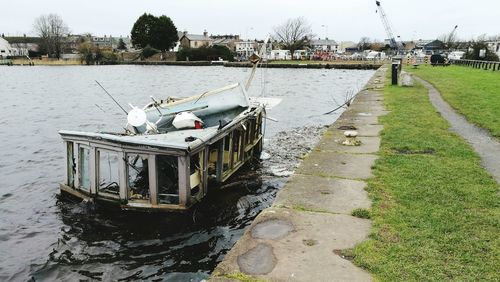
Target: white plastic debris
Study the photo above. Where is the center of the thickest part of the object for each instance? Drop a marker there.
(186, 120)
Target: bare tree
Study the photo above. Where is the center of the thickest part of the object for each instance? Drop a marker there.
(51, 29)
(365, 43)
(294, 34)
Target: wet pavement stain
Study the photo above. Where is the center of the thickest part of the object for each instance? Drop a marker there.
(258, 260)
(272, 229)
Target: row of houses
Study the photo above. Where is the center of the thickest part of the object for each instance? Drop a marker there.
(245, 48)
(22, 46)
(323, 49)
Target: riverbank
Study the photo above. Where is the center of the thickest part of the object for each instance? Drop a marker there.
(436, 211)
(353, 65)
(45, 62)
(359, 65)
(321, 211)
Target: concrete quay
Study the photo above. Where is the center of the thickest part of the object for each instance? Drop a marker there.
(301, 237)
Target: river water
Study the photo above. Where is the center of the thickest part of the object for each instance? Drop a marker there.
(47, 238)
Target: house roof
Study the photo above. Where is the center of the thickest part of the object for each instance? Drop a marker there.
(323, 42)
(223, 41)
(436, 44)
(197, 37)
(3, 41)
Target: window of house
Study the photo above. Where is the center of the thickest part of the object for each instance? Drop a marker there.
(168, 179)
(138, 177)
(84, 168)
(109, 172)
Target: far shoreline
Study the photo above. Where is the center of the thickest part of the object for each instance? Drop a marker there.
(299, 64)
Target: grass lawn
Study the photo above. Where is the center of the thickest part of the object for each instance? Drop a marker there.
(475, 93)
(436, 211)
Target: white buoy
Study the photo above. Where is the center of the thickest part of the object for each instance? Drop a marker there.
(136, 117)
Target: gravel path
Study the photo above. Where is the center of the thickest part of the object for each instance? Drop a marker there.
(483, 143)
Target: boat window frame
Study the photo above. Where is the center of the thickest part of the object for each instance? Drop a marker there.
(79, 168)
(71, 164)
(127, 175)
(119, 168)
(157, 180)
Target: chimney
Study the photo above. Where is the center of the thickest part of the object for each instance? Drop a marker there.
(185, 32)
(205, 33)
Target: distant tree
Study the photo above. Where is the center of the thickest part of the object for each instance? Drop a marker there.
(51, 29)
(377, 46)
(121, 45)
(474, 51)
(166, 34)
(157, 32)
(86, 51)
(294, 34)
(365, 43)
(90, 54)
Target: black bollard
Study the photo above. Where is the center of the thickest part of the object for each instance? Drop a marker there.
(395, 72)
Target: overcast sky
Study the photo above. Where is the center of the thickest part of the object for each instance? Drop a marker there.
(339, 20)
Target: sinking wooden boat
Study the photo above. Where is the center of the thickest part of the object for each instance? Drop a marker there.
(170, 153)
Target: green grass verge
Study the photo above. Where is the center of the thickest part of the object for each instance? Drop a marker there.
(475, 93)
(436, 212)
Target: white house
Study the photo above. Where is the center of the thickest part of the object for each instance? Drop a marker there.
(279, 55)
(245, 49)
(7, 50)
(324, 45)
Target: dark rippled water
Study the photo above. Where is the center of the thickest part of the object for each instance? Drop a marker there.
(48, 238)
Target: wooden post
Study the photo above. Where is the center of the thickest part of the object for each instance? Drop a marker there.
(184, 187)
(93, 172)
(153, 180)
(123, 176)
(220, 160)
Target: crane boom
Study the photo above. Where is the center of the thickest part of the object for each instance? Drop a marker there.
(387, 26)
(451, 36)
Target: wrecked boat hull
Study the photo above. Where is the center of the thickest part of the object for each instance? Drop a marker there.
(144, 173)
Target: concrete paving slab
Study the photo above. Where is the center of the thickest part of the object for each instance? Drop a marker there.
(307, 253)
(332, 164)
(323, 194)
